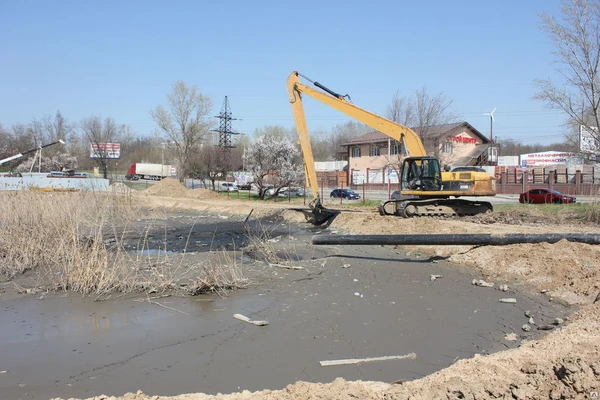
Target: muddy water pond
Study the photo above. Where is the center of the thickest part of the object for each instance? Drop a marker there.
(345, 303)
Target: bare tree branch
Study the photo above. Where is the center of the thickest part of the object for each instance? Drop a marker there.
(576, 39)
(98, 132)
(185, 124)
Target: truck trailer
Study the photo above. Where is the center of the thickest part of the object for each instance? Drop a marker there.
(150, 171)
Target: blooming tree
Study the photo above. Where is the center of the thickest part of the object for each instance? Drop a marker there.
(274, 160)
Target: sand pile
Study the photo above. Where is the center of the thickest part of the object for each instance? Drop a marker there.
(167, 187)
(203, 194)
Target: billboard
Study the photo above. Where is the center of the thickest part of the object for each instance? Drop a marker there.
(588, 139)
(548, 158)
(105, 150)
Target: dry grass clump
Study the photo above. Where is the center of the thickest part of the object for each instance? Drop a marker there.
(590, 212)
(60, 237)
(262, 244)
(217, 278)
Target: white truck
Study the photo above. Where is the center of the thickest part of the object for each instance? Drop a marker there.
(150, 171)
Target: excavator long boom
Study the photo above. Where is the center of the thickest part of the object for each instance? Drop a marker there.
(425, 189)
(401, 133)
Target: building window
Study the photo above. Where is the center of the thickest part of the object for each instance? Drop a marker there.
(374, 151)
(356, 152)
(395, 149)
(447, 148)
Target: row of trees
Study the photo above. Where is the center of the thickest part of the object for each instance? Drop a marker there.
(184, 127)
(75, 153)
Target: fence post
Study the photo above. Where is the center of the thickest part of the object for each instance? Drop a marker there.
(525, 179)
(321, 189)
(551, 177)
(503, 178)
(363, 187)
(578, 181)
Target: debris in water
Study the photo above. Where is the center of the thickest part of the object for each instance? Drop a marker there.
(248, 320)
(411, 356)
(481, 282)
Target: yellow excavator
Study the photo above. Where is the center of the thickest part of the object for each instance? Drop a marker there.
(425, 189)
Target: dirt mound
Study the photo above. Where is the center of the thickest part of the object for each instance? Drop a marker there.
(569, 271)
(203, 194)
(526, 215)
(167, 188)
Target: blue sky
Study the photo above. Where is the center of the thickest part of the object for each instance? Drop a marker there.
(119, 58)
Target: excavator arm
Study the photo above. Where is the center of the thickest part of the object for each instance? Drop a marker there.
(411, 141)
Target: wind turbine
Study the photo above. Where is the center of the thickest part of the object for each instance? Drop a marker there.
(491, 123)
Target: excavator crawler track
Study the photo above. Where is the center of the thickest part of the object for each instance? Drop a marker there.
(434, 207)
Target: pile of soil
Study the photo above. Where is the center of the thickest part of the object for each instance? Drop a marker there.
(203, 194)
(167, 188)
(565, 363)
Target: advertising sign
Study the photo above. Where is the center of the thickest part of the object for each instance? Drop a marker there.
(588, 139)
(548, 158)
(105, 150)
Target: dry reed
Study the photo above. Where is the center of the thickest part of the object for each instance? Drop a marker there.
(61, 237)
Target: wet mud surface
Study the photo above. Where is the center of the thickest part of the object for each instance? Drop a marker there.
(345, 302)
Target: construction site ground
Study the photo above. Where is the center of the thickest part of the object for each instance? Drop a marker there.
(339, 303)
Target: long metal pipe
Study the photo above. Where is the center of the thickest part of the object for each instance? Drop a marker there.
(456, 239)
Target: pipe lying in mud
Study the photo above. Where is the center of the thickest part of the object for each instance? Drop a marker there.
(457, 239)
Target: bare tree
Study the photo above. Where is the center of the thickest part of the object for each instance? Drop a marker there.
(99, 132)
(343, 133)
(422, 112)
(576, 39)
(401, 110)
(185, 122)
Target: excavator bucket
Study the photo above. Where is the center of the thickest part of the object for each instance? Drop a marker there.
(319, 215)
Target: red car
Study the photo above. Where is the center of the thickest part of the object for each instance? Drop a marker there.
(545, 196)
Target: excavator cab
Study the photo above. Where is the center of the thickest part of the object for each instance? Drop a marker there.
(421, 173)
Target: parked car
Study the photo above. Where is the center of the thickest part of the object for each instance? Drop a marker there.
(228, 187)
(292, 192)
(269, 190)
(545, 196)
(395, 195)
(344, 194)
(245, 186)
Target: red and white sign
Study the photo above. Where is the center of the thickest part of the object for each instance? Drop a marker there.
(463, 139)
(105, 150)
(547, 158)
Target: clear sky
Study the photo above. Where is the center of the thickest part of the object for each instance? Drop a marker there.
(119, 58)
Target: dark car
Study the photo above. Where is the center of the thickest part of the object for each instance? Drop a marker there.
(545, 196)
(245, 186)
(344, 194)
